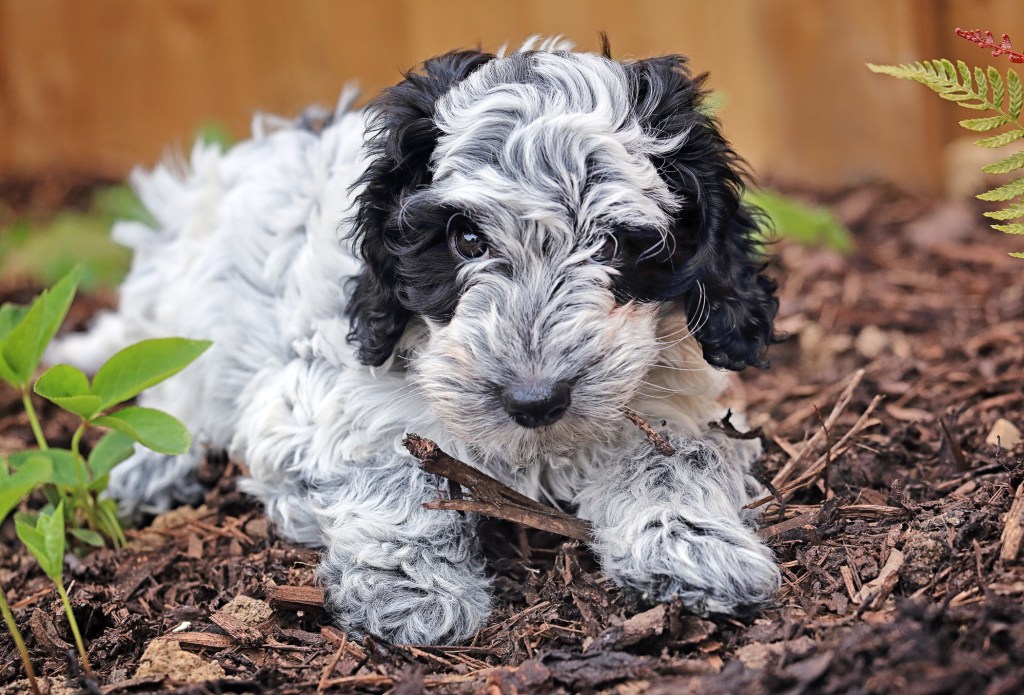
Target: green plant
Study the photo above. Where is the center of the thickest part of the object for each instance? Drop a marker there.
(792, 219)
(45, 540)
(981, 90)
(76, 480)
(13, 488)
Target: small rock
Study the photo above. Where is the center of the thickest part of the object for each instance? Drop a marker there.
(166, 659)
(1004, 434)
(250, 611)
(924, 555)
(871, 341)
(758, 655)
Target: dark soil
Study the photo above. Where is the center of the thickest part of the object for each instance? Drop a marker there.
(896, 534)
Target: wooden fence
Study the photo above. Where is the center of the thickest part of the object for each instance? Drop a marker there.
(101, 85)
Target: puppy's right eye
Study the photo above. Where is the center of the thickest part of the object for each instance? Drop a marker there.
(464, 239)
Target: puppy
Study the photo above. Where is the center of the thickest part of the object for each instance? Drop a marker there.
(501, 253)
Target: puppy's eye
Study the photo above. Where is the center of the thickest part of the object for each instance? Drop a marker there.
(609, 250)
(465, 240)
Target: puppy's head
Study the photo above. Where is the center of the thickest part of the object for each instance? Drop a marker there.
(539, 212)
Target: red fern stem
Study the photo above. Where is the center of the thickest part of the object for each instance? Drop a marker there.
(984, 39)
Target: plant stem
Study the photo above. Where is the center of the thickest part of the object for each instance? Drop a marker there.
(33, 420)
(18, 641)
(74, 628)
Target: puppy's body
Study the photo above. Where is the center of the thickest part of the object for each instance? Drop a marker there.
(527, 235)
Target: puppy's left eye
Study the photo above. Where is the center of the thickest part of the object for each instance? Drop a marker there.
(464, 239)
(609, 250)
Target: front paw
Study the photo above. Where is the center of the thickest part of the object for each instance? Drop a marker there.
(444, 608)
(711, 565)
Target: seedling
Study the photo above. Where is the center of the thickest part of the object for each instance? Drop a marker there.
(77, 481)
(45, 541)
(12, 489)
(982, 90)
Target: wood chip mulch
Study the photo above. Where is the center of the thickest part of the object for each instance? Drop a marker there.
(896, 512)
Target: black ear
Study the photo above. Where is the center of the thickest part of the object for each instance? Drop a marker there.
(728, 299)
(401, 138)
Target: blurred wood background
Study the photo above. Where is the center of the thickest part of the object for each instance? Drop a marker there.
(101, 85)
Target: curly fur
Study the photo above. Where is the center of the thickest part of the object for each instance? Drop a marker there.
(322, 259)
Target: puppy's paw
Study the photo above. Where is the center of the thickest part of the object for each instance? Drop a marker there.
(447, 609)
(712, 566)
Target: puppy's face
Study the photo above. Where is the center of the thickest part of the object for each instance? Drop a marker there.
(538, 212)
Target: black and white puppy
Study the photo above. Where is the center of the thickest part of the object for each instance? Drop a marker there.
(501, 253)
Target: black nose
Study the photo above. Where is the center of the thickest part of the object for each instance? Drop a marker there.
(536, 403)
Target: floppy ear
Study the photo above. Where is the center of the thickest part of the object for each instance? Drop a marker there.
(402, 137)
(729, 300)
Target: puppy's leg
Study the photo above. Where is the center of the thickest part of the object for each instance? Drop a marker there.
(151, 483)
(389, 566)
(393, 568)
(671, 527)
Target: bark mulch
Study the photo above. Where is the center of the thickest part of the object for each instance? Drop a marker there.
(895, 513)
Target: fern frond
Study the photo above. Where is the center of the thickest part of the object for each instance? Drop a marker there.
(981, 89)
(1015, 228)
(1015, 210)
(983, 125)
(1005, 166)
(995, 80)
(1013, 87)
(1007, 192)
(1000, 140)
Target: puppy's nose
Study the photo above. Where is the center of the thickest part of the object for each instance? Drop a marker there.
(536, 403)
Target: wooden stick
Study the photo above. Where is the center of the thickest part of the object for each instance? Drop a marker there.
(659, 442)
(489, 496)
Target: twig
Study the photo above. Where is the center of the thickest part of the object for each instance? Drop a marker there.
(659, 441)
(787, 471)
(729, 430)
(489, 496)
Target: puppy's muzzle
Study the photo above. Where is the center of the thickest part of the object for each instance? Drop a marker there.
(536, 403)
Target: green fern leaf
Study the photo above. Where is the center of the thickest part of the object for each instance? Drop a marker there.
(1015, 210)
(1015, 228)
(1007, 192)
(1005, 166)
(1001, 139)
(996, 81)
(982, 125)
(1013, 87)
(979, 77)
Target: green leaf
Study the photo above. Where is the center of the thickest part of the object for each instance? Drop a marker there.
(66, 470)
(13, 487)
(982, 125)
(1000, 140)
(811, 226)
(24, 346)
(979, 78)
(1015, 228)
(142, 365)
(1015, 210)
(89, 537)
(1017, 254)
(996, 81)
(1010, 190)
(114, 448)
(1005, 166)
(1013, 88)
(68, 387)
(46, 541)
(10, 316)
(153, 429)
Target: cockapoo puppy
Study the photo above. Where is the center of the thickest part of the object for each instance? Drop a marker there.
(500, 253)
